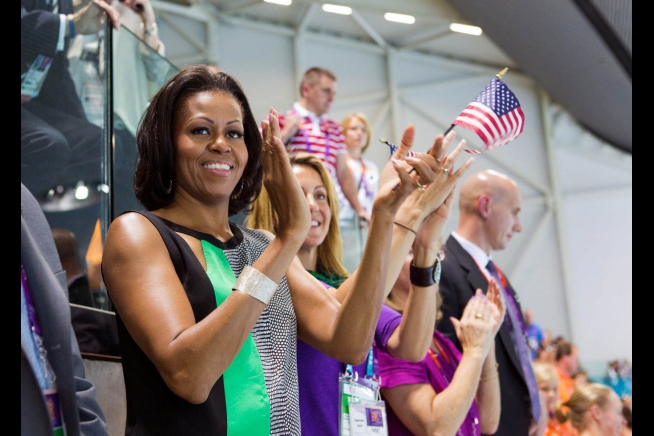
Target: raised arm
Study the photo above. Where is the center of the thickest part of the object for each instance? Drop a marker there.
(148, 295)
(411, 339)
(343, 328)
(425, 412)
(348, 332)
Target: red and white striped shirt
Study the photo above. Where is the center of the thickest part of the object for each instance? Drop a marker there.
(320, 136)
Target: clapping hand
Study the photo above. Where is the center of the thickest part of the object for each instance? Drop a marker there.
(474, 329)
(286, 196)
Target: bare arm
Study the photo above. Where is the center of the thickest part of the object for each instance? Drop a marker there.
(425, 412)
(153, 304)
(344, 330)
(411, 340)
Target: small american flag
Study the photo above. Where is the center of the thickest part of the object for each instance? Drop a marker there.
(495, 116)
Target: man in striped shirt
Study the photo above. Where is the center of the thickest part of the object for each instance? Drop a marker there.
(306, 128)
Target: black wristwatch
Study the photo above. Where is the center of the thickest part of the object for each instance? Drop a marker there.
(425, 277)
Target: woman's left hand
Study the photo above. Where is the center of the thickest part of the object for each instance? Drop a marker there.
(496, 302)
(286, 196)
(391, 193)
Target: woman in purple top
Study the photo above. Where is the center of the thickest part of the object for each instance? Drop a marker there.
(447, 392)
(321, 254)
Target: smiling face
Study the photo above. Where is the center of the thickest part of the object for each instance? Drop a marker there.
(210, 148)
(316, 195)
(356, 135)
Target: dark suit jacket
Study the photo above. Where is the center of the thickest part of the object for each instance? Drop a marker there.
(47, 280)
(39, 33)
(459, 280)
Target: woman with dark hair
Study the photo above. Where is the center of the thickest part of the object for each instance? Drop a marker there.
(209, 312)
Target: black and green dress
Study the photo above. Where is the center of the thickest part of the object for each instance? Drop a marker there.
(258, 393)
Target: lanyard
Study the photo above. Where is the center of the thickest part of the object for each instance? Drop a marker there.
(434, 356)
(363, 182)
(370, 365)
(307, 142)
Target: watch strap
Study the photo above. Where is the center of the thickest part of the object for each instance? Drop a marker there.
(425, 277)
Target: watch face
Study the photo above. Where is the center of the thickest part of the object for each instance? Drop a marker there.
(436, 272)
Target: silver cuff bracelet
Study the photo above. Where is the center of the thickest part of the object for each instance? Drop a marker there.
(255, 284)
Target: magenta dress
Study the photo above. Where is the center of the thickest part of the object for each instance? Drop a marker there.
(436, 370)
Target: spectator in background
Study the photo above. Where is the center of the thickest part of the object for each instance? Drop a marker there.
(59, 146)
(306, 127)
(567, 364)
(593, 410)
(54, 393)
(61, 151)
(356, 130)
(535, 334)
(619, 377)
(548, 384)
(79, 289)
(581, 378)
(489, 208)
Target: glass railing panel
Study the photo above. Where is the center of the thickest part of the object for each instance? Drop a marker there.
(63, 140)
(138, 73)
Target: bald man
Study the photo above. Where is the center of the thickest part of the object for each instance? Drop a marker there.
(489, 205)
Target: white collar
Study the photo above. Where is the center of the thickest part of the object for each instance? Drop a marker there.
(304, 112)
(475, 252)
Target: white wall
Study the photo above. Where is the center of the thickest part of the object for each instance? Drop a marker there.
(572, 262)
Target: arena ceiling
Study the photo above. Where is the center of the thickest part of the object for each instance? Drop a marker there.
(578, 51)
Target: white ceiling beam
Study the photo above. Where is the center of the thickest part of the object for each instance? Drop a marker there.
(437, 16)
(213, 11)
(433, 35)
(368, 29)
(306, 18)
(191, 12)
(238, 6)
(456, 64)
(344, 42)
(262, 26)
(557, 203)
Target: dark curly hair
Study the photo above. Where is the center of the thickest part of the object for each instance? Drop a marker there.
(155, 170)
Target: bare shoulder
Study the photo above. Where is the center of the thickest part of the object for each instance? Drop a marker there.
(130, 236)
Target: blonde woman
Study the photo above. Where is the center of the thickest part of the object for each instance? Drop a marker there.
(357, 131)
(593, 410)
(548, 385)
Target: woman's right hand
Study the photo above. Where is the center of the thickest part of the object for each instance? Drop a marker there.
(286, 196)
(430, 173)
(474, 329)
